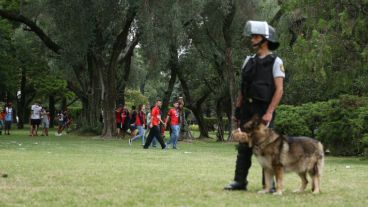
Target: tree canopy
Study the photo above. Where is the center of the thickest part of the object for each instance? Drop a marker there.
(105, 53)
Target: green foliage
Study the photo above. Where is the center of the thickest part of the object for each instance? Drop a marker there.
(8, 62)
(212, 123)
(329, 56)
(346, 125)
(75, 112)
(290, 122)
(340, 124)
(134, 98)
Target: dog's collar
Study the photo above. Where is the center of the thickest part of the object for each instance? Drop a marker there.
(266, 142)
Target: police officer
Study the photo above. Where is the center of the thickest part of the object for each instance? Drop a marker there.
(262, 76)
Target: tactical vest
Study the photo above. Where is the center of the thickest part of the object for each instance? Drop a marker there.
(257, 78)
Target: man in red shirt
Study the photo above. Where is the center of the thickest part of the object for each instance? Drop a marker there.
(155, 126)
(174, 124)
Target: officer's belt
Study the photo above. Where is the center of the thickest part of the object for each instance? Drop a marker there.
(252, 100)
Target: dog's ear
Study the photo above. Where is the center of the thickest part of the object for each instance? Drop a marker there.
(256, 119)
(252, 124)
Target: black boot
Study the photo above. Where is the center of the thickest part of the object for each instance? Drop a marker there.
(243, 163)
(236, 186)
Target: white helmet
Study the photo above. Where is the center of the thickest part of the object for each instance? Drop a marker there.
(262, 28)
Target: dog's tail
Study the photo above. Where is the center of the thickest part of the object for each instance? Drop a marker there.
(318, 167)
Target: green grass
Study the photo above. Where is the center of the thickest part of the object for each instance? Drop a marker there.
(87, 171)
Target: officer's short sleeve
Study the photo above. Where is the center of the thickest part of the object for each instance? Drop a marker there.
(245, 62)
(278, 68)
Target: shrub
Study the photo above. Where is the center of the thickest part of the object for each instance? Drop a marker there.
(289, 121)
(340, 124)
(344, 130)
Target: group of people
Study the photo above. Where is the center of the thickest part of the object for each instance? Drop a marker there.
(64, 119)
(39, 116)
(149, 122)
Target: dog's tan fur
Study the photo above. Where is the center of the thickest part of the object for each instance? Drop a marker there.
(277, 154)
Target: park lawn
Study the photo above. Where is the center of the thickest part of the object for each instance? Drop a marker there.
(87, 171)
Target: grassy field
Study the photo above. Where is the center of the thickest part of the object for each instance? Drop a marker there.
(87, 171)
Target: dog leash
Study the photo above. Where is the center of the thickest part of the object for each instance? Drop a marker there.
(268, 124)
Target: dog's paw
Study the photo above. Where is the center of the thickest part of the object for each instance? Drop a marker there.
(316, 192)
(279, 193)
(263, 191)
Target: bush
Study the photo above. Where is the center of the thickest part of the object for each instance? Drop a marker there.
(340, 124)
(290, 122)
(75, 112)
(346, 126)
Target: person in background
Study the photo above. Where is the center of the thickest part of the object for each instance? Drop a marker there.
(118, 118)
(67, 121)
(154, 140)
(35, 118)
(140, 122)
(132, 120)
(45, 114)
(2, 118)
(125, 120)
(60, 118)
(173, 115)
(9, 117)
(155, 128)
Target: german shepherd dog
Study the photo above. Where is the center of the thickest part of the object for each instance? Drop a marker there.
(278, 154)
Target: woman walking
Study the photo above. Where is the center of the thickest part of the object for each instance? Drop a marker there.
(140, 122)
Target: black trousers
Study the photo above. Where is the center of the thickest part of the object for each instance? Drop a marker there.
(154, 132)
(244, 158)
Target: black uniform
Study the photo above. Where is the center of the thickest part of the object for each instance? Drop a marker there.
(258, 88)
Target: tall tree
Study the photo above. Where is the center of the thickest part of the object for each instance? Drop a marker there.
(92, 47)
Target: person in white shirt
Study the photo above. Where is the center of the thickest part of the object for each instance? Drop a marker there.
(35, 118)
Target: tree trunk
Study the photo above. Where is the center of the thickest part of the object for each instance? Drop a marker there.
(198, 113)
(22, 101)
(230, 73)
(108, 97)
(126, 73)
(173, 65)
(220, 123)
